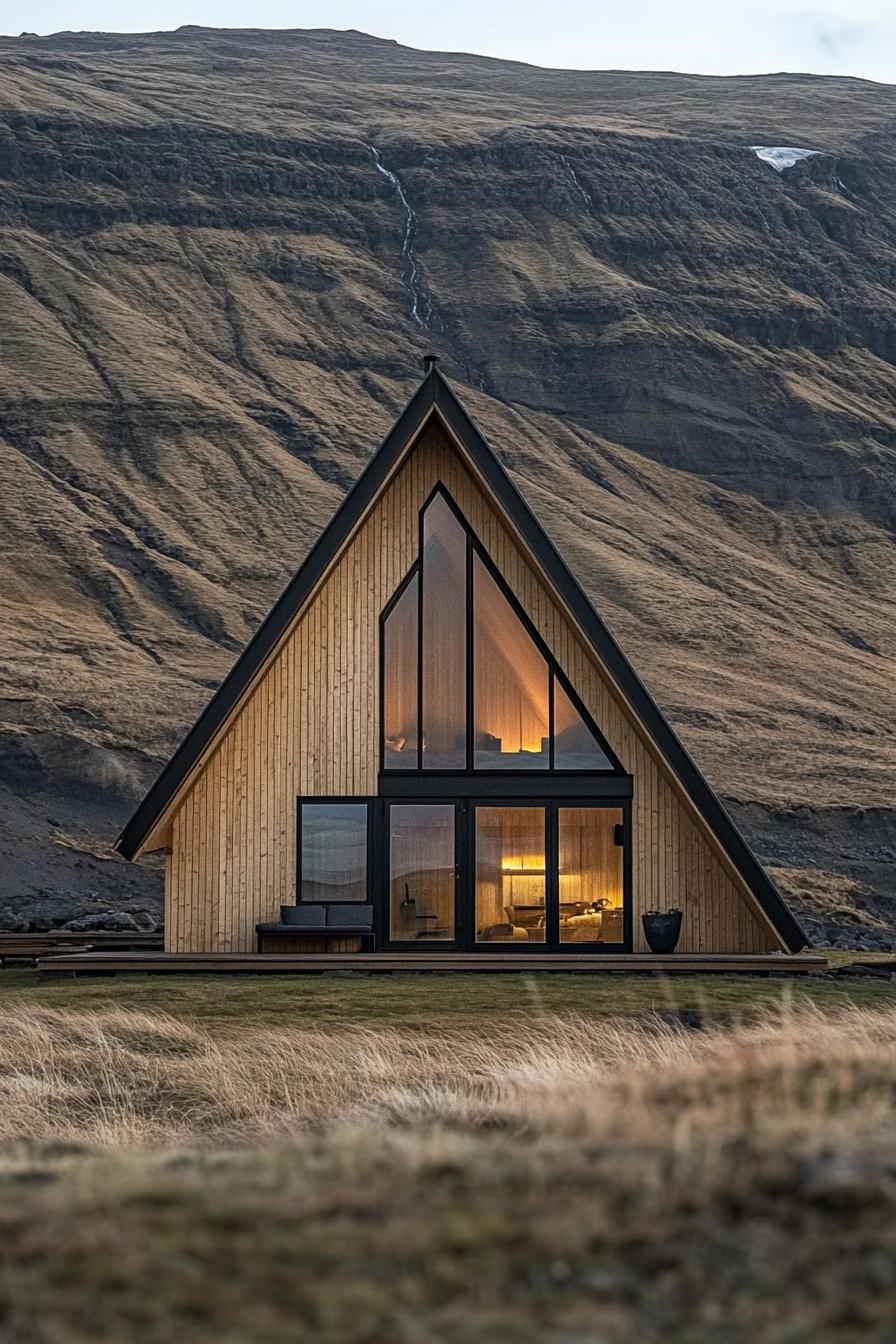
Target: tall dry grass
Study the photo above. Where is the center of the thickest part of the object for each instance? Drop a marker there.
(544, 1180)
(122, 1079)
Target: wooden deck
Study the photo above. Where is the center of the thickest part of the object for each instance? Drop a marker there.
(185, 963)
(18, 949)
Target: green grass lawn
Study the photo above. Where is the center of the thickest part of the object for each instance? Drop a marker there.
(425, 1001)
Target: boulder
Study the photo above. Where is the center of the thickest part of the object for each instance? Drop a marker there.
(111, 921)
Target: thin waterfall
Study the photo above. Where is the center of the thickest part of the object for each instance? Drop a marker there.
(576, 183)
(421, 308)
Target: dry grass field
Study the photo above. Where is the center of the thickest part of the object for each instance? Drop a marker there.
(536, 1161)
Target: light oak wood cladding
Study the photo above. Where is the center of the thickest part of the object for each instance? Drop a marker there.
(311, 727)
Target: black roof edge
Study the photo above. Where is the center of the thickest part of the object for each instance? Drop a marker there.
(272, 628)
(435, 392)
(702, 794)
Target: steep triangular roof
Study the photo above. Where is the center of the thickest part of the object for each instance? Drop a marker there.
(435, 397)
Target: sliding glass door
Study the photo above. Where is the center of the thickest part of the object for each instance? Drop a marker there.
(422, 873)
(591, 874)
(510, 874)
(549, 876)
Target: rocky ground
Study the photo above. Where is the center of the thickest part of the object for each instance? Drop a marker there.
(836, 867)
(221, 256)
(59, 869)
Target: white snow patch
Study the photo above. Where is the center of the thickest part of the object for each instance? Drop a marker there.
(782, 156)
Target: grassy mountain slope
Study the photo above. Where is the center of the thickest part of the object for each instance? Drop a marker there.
(212, 304)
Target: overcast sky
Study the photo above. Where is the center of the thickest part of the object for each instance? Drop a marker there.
(707, 36)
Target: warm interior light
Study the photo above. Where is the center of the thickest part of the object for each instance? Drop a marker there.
(523, 863)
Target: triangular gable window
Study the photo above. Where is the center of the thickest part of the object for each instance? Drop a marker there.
(478, 690)
(575, 745)
(400, 653)
(443, 683)
(511, 684)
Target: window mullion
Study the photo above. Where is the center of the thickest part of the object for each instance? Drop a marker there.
(469, 666)
(420, 585)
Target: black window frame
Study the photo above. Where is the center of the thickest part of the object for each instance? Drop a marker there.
(568, 794)
(555, 672)
(381, 820)
(358, 800)
(416, 571)
(464, 941)
(552, 944)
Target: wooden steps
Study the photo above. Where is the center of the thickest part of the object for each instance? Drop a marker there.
(208, 963)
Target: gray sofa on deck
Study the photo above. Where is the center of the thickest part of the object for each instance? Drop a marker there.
(315, 922)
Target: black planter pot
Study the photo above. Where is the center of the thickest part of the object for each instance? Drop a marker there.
(662, 931)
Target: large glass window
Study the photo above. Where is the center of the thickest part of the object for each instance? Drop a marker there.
(510, 684)
(421, 872)
(510, 875)
(591, 874)
(575, 746)
(333, 838)
(435, 678)
(444, 638)
(400, 639)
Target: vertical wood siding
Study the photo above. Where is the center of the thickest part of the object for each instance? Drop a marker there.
(311, 727)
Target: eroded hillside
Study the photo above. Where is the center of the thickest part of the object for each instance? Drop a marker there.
(221, 255)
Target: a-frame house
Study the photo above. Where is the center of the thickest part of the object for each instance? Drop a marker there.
(434, 744)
